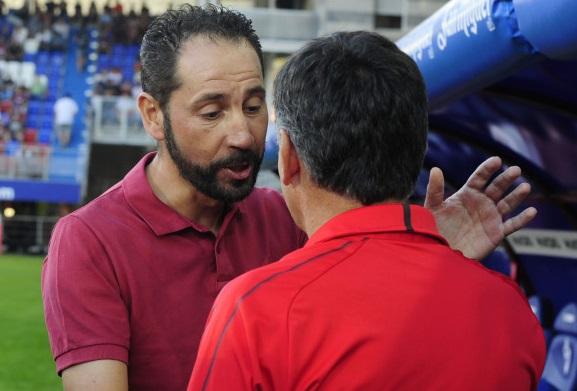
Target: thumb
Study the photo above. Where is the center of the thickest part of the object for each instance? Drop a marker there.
(435, 189)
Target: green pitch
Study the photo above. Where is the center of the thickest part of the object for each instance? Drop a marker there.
(25, 359)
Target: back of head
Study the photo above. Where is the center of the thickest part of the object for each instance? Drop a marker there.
(168, 32)
(355, 108)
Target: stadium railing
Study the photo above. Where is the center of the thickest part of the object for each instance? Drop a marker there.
(21, 161)
(116, 122)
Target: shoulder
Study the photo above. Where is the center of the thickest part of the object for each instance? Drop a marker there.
(101, 216)
(499, 292)
(273, 287)
(97, 209)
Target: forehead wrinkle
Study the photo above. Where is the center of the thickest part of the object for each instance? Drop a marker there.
(202, 52)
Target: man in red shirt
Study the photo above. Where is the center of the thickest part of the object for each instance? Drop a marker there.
(130, 278)
(376, 299)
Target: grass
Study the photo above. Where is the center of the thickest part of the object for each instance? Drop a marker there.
(25, 360)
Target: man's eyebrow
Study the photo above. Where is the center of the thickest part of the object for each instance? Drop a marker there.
(209, 97)
(259, 90)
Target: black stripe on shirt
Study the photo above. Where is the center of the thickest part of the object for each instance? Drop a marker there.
(249, 293)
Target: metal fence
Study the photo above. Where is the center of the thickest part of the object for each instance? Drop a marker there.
(115, 120)
(25, 161)
(27, 234)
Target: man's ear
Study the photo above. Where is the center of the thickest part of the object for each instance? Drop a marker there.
(152, 116)
(289, 165)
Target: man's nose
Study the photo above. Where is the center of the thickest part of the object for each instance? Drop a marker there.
(241, 134)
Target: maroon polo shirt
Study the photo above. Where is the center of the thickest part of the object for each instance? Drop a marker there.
(129, 279)
(376, 300)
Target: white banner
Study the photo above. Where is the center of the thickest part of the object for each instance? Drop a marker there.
(546, 242)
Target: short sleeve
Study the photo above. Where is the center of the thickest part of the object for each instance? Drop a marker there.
(86, 316)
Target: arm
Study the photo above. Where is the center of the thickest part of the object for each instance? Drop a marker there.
(473, 219)
(101, 375)
(86, 318)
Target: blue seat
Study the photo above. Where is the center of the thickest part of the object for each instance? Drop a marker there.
(29, 57)
(566, 321)
(45, 137)
(560, 371)
(42, 58)
(33, 109)
(57, 59)
(561, 366)
(42, 68)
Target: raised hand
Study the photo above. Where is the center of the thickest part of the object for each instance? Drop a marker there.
(473, 220)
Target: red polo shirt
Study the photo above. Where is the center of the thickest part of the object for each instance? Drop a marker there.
(376, 300)
(127, 278)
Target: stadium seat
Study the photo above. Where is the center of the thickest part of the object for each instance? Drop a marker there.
(42, 58)
(566, 321)
(29, 57)
(560, 371)
(57, 60)
(45, 137)
(33, 108)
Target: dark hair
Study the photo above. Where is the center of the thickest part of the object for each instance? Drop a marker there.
(355, 108)
(169, 31)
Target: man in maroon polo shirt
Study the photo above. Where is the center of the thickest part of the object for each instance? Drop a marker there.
(130, 278)
(376, 299)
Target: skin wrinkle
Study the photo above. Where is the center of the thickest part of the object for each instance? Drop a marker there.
(223, 124)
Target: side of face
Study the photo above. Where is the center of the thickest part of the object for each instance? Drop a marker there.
(215, 121)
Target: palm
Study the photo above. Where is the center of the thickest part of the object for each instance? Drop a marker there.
(473, 219)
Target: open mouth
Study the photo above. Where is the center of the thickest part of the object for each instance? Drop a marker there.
(238, 171)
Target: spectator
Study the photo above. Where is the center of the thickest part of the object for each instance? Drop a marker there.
(39, 87)
(77, 16)
(92, 17)
(31, 44)
(65, 109)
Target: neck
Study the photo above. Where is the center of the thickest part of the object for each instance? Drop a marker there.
(317, 206)
(181, 196)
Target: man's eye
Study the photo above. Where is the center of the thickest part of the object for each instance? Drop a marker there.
(253, 109)
(211, 115)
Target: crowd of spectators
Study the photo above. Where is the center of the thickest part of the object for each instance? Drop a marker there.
(14, 101)
(24, 32)
(114, 26)
(46, 27)
(121, 77)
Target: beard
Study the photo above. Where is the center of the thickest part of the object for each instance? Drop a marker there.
(205, 178)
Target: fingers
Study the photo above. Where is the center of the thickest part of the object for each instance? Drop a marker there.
(519, 221)
(502, 183)
(514, 198)
(483, 173)
(435, 189)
